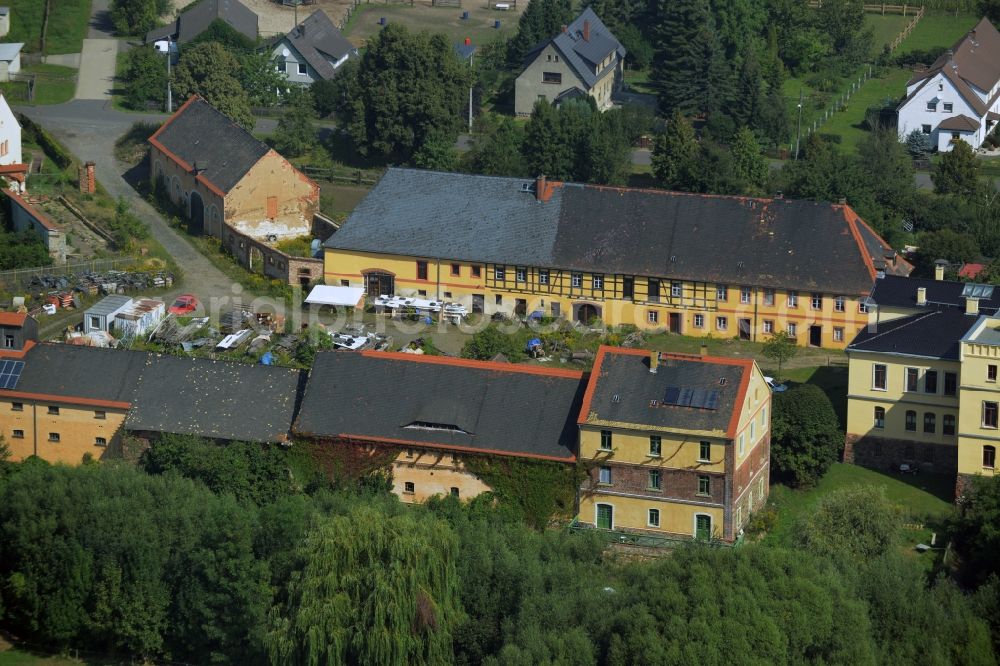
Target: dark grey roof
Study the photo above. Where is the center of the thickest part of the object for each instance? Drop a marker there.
(215, 399)
(901, 292)
(446, 215)
(194, 21)
(486, 407)
(624, 391)
(317, 37)
(583, 55)
(732, 240)
(205, 138)
(934, 334)
(73, 371)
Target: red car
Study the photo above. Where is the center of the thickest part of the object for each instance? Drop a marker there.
(184, 304)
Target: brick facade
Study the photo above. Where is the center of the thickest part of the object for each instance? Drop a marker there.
(885, 454)
(679, 484)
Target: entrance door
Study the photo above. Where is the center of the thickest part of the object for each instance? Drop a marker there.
(744, 329)
(605, 517)
(703, 527)
(380, 284)
(196, 215)
(675, 322)
(815, 336)
(478, 303)
(520, 307)
(586, 313)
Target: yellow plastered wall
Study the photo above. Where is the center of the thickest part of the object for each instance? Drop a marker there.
(633, 512)
(433, 473)
(755, 417)
(691, 308)
(77, 427)
(677, 450)
(977, 389)
(863, 397)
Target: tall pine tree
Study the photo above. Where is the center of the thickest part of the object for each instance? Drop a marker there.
(688, 69)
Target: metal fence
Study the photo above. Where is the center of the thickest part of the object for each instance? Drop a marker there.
(16, 278)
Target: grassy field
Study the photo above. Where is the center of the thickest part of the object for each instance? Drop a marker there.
(848, 124)
(364, 22)
(886, 28)
(68, 24)
(54, 84)
(927, 499)
(937, 32)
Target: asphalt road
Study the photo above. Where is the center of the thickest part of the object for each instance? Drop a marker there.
(88, 129)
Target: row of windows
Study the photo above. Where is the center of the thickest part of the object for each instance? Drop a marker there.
(53, 410)
(409, 488)
(913, 381)
(910, 421)
(654, 480)
(653, 287)
(656, 446)
(55, 437)
(456, 270)
(932, 106)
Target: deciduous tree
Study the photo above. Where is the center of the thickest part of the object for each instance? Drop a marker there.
(805, 435)
(207, 70)
(957, 172)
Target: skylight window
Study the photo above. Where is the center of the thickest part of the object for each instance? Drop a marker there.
(973, 290)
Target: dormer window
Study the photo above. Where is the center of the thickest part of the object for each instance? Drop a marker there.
(440, 427)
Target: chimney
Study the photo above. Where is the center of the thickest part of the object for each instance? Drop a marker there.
(88, 184)
(564, 28)
(704, 350)
(654, 361)
(921, 295)
(540, 188)
(971, 305)
(468, 41)
(939, 268)
(842, 201)
(586, 30)
(890, 257)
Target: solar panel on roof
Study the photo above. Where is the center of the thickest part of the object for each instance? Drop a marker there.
(10, 372)
(697, 398)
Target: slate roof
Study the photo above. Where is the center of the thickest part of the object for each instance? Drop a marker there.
(488, 407)
(974, 59)
(583, 55)
(934, 334)
(901, 292)
(194, 21)
(90, 373)
(622, 390)
(199, 135)
(317, 36)
(732, 240)
(215, 399)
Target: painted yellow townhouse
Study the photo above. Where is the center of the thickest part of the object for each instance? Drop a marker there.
(675, 445)
(687, 263)
(922, 392)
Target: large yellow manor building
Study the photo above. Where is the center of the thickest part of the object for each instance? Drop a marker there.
(687, 263)
(922, 391)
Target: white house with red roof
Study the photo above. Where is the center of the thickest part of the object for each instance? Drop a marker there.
(958, 97)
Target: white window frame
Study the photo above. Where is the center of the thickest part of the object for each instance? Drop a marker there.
(885, 375)
(576, 280)
(499, 274)
(743, 443)
(793, 299)
(722, 292)
(676, 289)
(699, 321)
(839, 304)
(598, 282)
(746, 294)
(722, 323)
(649, 518)
(600, 475)
(653, 316)
(543, 276)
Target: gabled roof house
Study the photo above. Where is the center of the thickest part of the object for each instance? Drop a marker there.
(958, 97)
(312, 51)
(222, 175)
(196, 20)
(584, 59)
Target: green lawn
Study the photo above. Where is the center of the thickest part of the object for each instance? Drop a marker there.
(927, 499)
(886, 29)
(54, 84)
(68, 24)
(937, 31)
(848, 124)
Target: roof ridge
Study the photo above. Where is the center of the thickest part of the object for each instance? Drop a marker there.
(470, 363)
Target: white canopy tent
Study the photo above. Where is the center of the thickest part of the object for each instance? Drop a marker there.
(337, 296)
